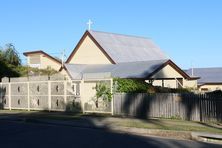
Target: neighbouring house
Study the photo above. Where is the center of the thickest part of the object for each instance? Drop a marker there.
(40, 59)
(100, 55)
(210, 78)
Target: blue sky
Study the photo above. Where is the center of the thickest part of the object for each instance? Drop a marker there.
(188, 31)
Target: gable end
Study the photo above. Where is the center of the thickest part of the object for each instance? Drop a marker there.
(87, 33)
(175, 67)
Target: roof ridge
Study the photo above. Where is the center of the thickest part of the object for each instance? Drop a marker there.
(75, 64)
(145, 61)
(126, 35)
(117, 63)
(206, 68)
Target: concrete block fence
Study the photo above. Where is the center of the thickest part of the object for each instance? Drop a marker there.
(40, 93)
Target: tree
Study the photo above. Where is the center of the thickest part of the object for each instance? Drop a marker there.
(11, 55)
(7, 71)
(9, 60)
(1, 55)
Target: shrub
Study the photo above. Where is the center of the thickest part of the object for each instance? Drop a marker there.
(103, 91)
(140, 86)
(130, 85)
(29, 71)
(160, 89)
(216, 92)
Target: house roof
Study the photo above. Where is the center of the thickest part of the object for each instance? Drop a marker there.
(139, 70)
(42, 52)
(123, 48)
(207, 75)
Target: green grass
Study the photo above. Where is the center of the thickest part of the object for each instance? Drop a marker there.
(167, 124)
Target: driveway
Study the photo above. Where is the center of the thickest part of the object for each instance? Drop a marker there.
(19, 134)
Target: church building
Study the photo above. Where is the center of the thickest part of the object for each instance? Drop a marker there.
(100, 55)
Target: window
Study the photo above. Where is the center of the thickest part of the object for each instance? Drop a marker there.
(35, 59)
(204, 89)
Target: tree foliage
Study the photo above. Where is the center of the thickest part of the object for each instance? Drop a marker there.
(130, 85)
(25, 71)
(7, 70)
(7, 67)
(140, 86)
(103, 91)
(10, 55)
(9, 60)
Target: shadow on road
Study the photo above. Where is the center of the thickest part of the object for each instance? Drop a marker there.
(72, 130)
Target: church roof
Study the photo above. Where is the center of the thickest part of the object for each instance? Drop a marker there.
(139, 69)
(124, 48)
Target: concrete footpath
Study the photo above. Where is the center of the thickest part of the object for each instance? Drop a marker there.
(107, 124)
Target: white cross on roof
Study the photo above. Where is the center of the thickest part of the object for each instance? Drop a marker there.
(89, 23)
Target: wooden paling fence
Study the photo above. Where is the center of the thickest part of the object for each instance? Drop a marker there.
(187, 106)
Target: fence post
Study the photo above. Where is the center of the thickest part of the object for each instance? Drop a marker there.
(9, 96)
(49, 95)
(65, 92)
(112, 101)
(200, 107)
(28, 96)
(82, 95)
(1, 94)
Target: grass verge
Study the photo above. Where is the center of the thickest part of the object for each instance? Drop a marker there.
(168, 124)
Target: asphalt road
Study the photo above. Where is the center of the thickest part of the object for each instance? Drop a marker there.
(31, 135)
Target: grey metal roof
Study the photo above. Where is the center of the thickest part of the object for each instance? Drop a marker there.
(207, 75)
(124, 48)
(139, 69)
